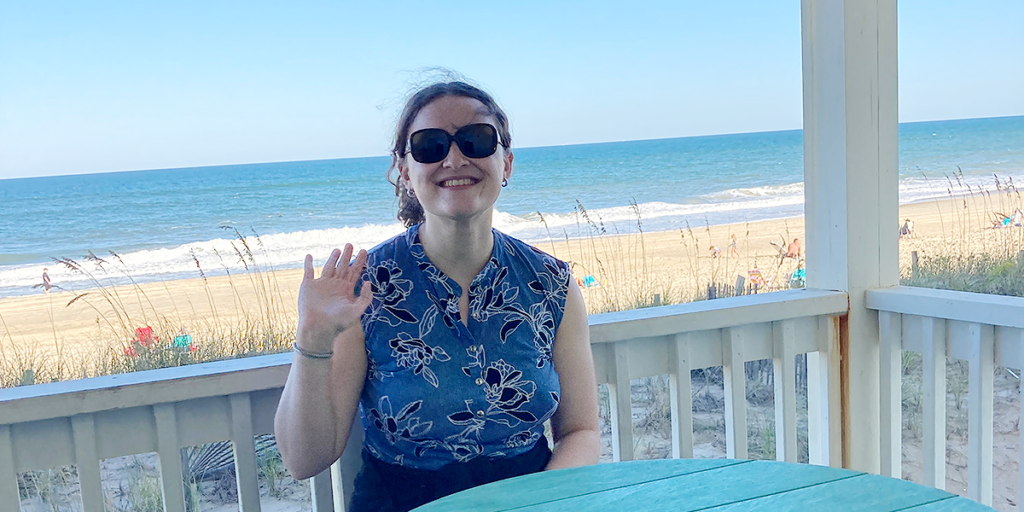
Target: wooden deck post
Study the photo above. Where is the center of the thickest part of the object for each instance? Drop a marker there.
(850, 184)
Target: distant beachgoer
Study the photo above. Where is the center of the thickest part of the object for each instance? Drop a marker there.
(907, 229)
(1003, 220)
(794, 250)
(732, 247)
(46, 281)
(715, 251)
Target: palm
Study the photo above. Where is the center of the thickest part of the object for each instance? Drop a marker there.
(329, 303)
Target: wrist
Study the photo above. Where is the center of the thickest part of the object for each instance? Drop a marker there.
(323, 356)
(313, 339)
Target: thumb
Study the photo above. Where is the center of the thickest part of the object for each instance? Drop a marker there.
(307, 268)
(365, 294)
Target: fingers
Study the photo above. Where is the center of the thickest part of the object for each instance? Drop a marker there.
(340, 264)
(360, 261)
(346, 259)
(307, 268)
(331, 264)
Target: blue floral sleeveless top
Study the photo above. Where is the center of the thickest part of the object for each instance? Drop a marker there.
(439, 392)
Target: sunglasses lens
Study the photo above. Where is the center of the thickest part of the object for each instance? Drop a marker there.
(430, 145)
(477, 140)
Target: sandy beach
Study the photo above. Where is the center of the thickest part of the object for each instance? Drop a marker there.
(663, 267)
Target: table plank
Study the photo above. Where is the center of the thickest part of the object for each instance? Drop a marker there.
(861, 493)
(700, 490)
(957, 504)
(550, 486)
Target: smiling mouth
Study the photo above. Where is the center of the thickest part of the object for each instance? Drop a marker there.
(459, 182)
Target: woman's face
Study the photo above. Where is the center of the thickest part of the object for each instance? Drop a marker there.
(456, 188)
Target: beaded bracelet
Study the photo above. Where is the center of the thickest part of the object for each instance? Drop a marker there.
(312, 355)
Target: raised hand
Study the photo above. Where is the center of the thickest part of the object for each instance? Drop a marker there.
(328, 304)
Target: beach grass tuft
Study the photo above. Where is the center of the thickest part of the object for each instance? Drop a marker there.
(133, 334)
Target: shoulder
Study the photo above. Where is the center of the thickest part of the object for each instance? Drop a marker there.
(388, 249)
(548, 275)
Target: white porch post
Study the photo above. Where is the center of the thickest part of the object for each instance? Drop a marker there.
(850, 188)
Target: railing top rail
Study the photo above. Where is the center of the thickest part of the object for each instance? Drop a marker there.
(716, 314)
(62, 399)
(981, 308)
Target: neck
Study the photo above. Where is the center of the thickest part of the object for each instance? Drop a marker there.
(459, 249)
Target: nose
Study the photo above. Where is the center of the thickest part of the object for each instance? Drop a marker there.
(455, 158)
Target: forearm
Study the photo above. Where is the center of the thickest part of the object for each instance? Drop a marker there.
(579, 448)
(318, 404)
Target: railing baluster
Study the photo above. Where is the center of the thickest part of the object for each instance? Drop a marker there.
(824, 445)
(344, 477)
(680, 398)
(890, 327)
(933, 333)
(338, 487)
(169, 450)
(9, 498)
(783, 341)
(735, 394)
(1013, 339)
(244, 443)
(87, 461)
(979, 444)
(622, 408)
(321, 492)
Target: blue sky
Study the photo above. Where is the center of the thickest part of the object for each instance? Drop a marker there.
(111, 86)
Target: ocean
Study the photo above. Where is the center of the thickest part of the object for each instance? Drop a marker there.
(160, 222)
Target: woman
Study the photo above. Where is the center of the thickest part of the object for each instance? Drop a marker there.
(460, 341)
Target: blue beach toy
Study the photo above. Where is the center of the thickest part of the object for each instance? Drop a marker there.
(182, 341)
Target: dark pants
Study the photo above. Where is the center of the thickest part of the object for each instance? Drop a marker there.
(383, 487)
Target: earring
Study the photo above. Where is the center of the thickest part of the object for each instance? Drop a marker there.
(410, 193)
(504, 182)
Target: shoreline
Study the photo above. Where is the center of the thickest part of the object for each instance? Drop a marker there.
(22, 278)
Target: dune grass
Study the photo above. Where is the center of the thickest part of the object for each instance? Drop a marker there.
(266, 324)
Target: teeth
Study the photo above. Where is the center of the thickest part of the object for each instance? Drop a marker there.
(457, 183)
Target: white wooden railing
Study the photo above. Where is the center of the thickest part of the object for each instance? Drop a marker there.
(82, 422)
(984, 330)
(728, 332)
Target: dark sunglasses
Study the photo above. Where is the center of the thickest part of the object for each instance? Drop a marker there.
(431, 145)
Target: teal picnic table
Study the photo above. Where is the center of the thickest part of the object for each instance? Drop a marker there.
(703, 484)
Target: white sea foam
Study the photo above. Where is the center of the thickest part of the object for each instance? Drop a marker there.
(767, 191)
(215, 257)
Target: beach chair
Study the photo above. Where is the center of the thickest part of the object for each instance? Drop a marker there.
(799, 278)
(756, 279)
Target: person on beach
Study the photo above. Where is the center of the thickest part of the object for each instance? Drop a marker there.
(46, 281)
(452, 341)
(907, 229)
(732, 247)
(715, 251)
(794, 250)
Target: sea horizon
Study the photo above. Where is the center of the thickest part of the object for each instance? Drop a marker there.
(574, 144)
